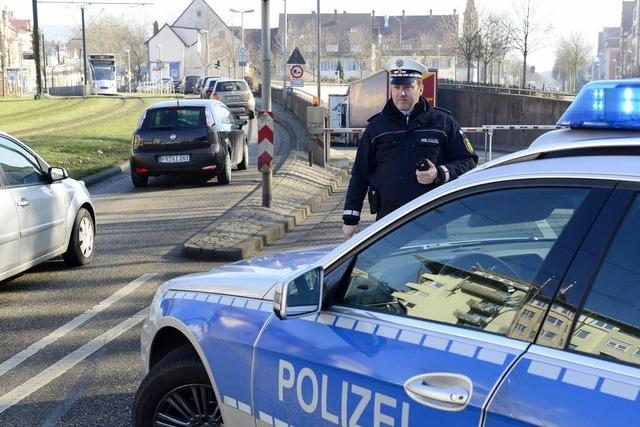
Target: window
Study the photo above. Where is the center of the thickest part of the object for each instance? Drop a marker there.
(548, 334)
(175, 118)
(637, 352)
(554, 321)
(478, 259)
(20, 167)
(520, 328)
(582, 334)
(612, 307)
(617, 346)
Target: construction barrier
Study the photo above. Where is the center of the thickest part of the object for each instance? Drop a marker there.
(487, 130)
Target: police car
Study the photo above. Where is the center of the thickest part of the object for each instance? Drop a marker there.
(508, 297)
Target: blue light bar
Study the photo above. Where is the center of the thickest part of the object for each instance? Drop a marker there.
(606, 104)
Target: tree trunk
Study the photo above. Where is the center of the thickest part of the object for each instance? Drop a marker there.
(524, 71)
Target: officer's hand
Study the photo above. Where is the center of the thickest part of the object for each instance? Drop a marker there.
(349, 230)
(427, 177)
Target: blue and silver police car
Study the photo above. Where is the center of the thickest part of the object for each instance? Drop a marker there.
(508, 297)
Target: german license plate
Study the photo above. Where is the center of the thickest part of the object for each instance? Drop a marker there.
(234, 97)
(179, 158)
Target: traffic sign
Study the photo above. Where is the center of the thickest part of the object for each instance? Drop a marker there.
(265, 140)
(296, 71)
(297, 83)
(296, 57)
(243, 56)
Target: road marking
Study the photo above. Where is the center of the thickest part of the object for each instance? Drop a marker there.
(17, 359)
(63, 365)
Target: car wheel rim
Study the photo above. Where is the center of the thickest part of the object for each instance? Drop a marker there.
(85, 237)
(188, 405)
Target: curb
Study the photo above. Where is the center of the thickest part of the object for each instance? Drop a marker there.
(94, 178)
(269, 234)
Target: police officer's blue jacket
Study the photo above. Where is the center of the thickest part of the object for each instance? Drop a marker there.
(389, 149)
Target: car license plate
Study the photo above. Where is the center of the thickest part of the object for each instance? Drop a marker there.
(180, 158)
(234, 97)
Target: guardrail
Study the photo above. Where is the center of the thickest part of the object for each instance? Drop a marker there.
(487, 130)
(507, 90)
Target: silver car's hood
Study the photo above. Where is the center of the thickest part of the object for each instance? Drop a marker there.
(250, 278)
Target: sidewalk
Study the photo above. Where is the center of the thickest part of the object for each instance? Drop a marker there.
(297, 190)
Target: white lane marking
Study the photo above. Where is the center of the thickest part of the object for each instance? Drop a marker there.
(69, 361)
(17, 359)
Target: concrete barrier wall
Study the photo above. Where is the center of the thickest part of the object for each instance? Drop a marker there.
(473, 108)
(66, 91)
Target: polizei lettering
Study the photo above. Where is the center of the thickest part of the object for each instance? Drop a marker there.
(341, 403)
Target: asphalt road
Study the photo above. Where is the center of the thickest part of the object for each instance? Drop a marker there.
(70, 338)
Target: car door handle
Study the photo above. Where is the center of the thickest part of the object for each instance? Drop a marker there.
(23, 203)
(442, 390)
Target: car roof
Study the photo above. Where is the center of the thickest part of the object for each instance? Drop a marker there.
(185, 103)
(570, 143)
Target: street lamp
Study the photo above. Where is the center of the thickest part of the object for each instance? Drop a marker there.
(160, 65)
(241, 27)
(129, 67)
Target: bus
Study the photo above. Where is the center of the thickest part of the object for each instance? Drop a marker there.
(103, 74)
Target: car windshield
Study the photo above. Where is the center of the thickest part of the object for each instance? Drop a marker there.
(175, 118)
(231, 86)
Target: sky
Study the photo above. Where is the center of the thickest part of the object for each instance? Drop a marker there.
(565, 16)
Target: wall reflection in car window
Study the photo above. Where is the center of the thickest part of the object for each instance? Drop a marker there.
(472, 262)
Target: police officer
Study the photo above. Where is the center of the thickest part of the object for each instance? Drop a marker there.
(406, 150)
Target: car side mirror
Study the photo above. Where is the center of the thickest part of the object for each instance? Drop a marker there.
(57, 174)
(299, 295)
(242, 122)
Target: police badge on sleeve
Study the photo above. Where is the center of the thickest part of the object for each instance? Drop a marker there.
(467, 143)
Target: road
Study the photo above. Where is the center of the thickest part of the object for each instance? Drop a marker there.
(70, 338)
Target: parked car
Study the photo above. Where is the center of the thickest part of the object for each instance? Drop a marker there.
(188, 84)
(208, 85)
(43, 212)
(509, 296)
(236, 95)
(200, 137)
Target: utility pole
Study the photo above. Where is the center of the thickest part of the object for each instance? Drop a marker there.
(284, 59)
(266, 118)
(84, 55)
(318, 55)
(44, 64)
(36, 48)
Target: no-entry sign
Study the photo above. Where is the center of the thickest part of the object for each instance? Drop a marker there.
(296, 71)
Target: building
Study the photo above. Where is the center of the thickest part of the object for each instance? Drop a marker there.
(193, 44)
(18, 71)
(607, 65)
(362, 43)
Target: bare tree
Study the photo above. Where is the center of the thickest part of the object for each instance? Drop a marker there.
(495, 42)
(572, 53)
(113, 34)
(361, 48)
(528, 31)
(306, 41)
(464, 43)
(427, 46)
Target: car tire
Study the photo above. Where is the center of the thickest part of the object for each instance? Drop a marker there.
(245, 157)
(252, 115)
(179, 376)
(139, 180)
(81, 243)
(224, 177)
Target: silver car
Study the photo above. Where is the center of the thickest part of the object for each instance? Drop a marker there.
(236, 95)
(43, 212)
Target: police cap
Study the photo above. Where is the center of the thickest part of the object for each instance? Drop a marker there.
(404, 71)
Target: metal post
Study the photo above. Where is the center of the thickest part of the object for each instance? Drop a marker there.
(318, 54)
(284, 59)
(84, 54)
(486, 146)
(37, 48)
(129, 68)
(266, 94)
(44, 65)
